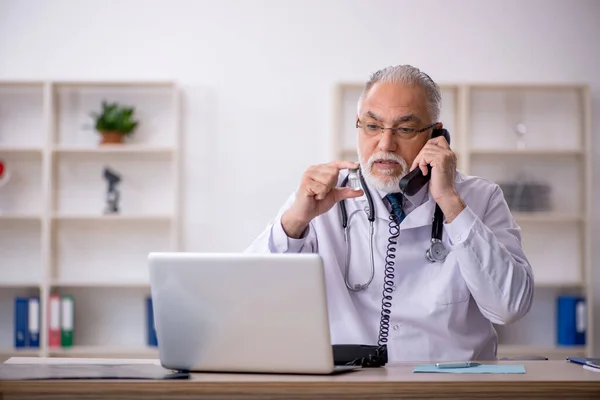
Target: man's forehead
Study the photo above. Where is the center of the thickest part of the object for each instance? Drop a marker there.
(385, 98)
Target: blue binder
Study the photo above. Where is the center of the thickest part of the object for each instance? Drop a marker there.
(151, 330)
(571, 320)
(21, 322)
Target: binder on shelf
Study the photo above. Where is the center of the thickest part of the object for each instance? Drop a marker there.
(66, 320)
(34, 322)
(151, 329)
(21, 322)
(54, 339)
(571, 320)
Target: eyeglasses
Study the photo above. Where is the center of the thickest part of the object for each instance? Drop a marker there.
(403, 132)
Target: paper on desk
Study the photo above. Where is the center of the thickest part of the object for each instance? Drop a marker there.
(479, 369)
(87, 371)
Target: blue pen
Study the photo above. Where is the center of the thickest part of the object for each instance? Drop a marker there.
(464, 364)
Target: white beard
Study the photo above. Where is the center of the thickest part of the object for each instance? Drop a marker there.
(387, 184)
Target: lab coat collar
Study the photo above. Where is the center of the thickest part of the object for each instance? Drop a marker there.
(422, 215)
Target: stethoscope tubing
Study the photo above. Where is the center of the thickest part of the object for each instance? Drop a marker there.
(436, 236)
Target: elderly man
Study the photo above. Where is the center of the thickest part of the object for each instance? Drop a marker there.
(424, 309)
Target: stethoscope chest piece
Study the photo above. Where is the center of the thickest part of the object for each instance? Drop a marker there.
(437, 252)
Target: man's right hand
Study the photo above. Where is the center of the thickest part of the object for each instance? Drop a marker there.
(316, 195)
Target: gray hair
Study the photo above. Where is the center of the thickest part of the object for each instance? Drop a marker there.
(411, 76)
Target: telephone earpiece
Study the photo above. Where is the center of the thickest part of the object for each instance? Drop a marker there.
(441, 132)
(412, 182)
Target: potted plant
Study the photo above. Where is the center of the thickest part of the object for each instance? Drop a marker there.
(114, 122)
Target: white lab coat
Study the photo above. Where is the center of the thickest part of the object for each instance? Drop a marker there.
(440, 311)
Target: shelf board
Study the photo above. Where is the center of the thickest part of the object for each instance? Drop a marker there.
(20, 217)
(100, 284)
(22, 83)
(21, 352)
(113, 217)
(18, 285)
(117, 149)
(526, 152)
(104, 351)
(545, 217)
(527, 86)
(22, 150)
(552, 351)
(559, 285)
(117, 83)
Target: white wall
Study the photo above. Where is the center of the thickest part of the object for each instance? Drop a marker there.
(258, 75)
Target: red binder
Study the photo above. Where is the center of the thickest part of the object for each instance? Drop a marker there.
(54, 335)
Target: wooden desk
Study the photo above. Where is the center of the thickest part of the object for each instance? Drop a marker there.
(543, 380)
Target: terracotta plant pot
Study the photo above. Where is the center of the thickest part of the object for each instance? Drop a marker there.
(111, 137)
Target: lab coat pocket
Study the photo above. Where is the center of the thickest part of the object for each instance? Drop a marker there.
(446, 283)
(409, 343)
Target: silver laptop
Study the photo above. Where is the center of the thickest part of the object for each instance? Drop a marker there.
(241, 312)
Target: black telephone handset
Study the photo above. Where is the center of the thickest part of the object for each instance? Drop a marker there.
(412, 182)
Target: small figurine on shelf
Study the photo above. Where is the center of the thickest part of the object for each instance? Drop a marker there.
(112, 194)
(115, 122)
(520, 131)
(4, 174)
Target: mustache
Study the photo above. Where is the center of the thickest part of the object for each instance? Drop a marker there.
(385, 156)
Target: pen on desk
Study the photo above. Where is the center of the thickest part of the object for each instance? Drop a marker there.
(590, 368)
(464, 364)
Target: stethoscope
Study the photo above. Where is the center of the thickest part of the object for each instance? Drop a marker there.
(436, 252)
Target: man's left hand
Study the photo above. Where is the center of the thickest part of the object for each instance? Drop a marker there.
(442, 159)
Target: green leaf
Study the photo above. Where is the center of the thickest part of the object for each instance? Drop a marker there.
(116, 118)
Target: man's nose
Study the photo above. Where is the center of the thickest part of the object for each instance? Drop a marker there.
(387, 141)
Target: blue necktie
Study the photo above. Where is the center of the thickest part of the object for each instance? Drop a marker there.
(395, 200)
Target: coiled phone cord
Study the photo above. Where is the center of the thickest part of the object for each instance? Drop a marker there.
(388, 283)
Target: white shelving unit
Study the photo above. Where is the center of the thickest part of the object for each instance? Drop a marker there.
(56, 237)
(554, 152)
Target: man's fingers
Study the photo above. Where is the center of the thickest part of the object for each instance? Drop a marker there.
(437, 157)
(428, 155)
(423, 165)
(343, 164)
(434, 148)
(323, 176)
(421, 162)
(317, 189)
(327, 174)
(342, 193)
(321, 191)
(439, 141)
(415, 163)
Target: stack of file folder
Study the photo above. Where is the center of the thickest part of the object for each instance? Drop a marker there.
(61, 314)
(27, 321)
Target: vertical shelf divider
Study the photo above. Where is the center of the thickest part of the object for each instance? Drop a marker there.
(587, 186)
(177, 171)
(47, 182)
(464, 127)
